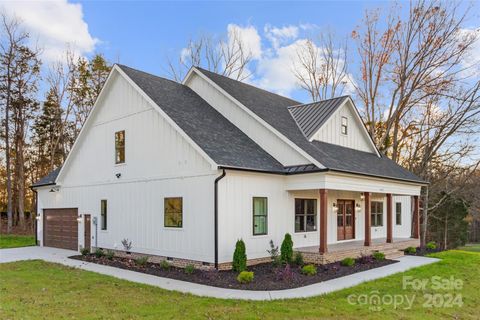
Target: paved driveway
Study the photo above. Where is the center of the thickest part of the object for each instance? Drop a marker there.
(61, 256)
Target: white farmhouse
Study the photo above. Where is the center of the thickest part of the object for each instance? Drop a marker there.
(184, 170)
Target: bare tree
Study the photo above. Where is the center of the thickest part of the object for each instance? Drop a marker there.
(321, 70)
(227, 56)
(11, 39)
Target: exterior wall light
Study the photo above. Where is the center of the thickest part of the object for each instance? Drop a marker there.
(335, 208)
(55, 189)
(362, 196)
(357, 207)
(38, 216)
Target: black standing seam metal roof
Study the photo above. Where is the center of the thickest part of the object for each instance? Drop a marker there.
(229, 147)
(310, 117)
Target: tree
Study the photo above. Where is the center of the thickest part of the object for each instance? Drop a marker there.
(286, 250)
(229, 57)
(321, 70)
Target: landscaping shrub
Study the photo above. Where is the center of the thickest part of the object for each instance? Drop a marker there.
(110, 254)
(379, 256)
(286, 250)
(411, 250)
(365, 259)
(431, 245)
(189, 269)
(309, 270)
(127, 245)
(85, 251)
(274, 253)
(298, 260)
(141, 261)
(348, 262)
(164, 265)
(99, 253)
(285, 273)
(245, 277)
(239, 257)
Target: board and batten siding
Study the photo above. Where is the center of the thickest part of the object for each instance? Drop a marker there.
(159, 163)
(256, 131)
(237, 189)
(356, 137)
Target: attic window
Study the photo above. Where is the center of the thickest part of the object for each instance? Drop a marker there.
(344, 125)
(120, 147)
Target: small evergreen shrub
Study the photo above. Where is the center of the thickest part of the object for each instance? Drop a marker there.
(189, 269)
(239, 257)
(164, 265)
(141, 261)
(411, 250)
(85, 251)
(274, 253)
(286, 250)
(379, 256)
(298, 260)
(309, 270)
(348, 262)
(99, 253)
(110, 254)
(245, 277)
(431, 245)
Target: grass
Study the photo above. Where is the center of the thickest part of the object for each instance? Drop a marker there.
(37, 289)
(474, 247)
(15, 241)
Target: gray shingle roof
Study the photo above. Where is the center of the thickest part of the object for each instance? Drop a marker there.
(219, 138)
(277, 111)
(49, 179)
(310, 117)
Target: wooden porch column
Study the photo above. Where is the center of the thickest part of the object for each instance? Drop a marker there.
(416, 218)
(368, 220)
(323, 221)
(389, 218)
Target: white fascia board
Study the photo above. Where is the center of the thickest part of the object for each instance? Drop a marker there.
(253, 115)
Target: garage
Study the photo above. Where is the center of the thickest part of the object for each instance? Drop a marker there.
(60, 228)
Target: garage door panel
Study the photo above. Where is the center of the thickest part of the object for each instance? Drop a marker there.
(61, 228)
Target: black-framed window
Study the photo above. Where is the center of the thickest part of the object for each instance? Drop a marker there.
(103, 214)
(173, 216)
(305, 215)
(260, 216)
(344, 125)
(398, 213)
(376, 212)
(120, 147)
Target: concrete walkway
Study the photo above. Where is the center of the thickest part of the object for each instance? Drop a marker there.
(61, 256)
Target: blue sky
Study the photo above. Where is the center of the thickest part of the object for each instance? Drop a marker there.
(143, 34)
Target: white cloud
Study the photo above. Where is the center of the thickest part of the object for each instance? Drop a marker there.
(54, 25)
(278, 36)
(249, 38)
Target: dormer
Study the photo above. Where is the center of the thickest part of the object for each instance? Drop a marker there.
(334, 121)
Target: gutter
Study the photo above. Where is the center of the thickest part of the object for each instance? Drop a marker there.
(215, 209)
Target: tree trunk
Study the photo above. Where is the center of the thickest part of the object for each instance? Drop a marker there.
(445, 234)
(21, 182)
(7, 154)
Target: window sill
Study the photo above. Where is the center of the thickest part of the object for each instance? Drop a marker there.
(120, 164)
(173, 228)
(305, 232)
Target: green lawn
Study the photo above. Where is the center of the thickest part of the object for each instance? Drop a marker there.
(474, 247)
(36, 289)
(14, 241)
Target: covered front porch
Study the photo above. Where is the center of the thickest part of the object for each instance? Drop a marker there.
(357, 216)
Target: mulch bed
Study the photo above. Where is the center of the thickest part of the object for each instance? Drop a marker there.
(266, 276)
(424, 251)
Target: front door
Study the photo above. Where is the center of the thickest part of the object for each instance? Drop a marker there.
(345, 219)
(86, 229)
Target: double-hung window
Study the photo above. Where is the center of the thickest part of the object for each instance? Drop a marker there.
(398, 213)
(305, 215)
(103, 214)
(173, 214)
(260, 216)
(376, 212)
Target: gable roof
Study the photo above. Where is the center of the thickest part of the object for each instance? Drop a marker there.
(311, 116)
(213, 133)
(229, 147)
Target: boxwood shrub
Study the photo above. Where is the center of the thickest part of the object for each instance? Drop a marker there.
(348, 262)
(245, 277)
(309, 270)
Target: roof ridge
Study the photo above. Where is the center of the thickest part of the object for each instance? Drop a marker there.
(315, 102)
(247, 84)
(148, 73)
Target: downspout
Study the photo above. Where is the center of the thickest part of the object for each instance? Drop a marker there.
(215, 209)
(36, 214)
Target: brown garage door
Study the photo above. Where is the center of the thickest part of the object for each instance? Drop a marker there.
(60, 228)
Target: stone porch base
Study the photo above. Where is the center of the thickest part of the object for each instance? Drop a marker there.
(355, 249)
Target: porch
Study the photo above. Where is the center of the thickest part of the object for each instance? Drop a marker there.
(356, 249)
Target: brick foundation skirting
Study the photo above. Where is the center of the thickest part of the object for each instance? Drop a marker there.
(176, 262)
